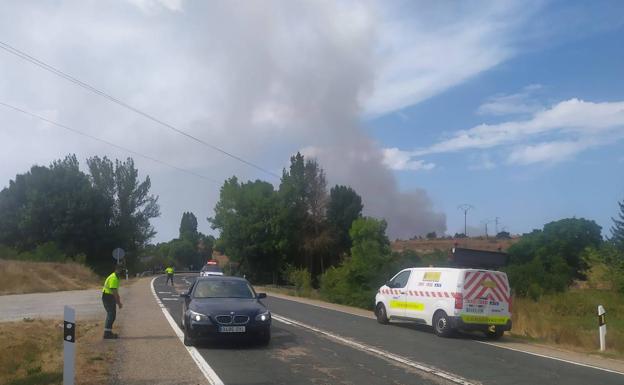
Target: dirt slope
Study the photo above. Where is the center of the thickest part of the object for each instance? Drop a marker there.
(19, 277)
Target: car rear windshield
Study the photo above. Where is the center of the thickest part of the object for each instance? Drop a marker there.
(212, 269)
(223, 289)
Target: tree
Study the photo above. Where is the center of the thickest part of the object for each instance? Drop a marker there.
(552, 257)
(344, 207)
(293, 214)
(359, 277)
(317, 239)
(617, 230)
(503, 235)
(132, 204)
(54, 204)
(188, 227)
(432, 235)
(247, 215)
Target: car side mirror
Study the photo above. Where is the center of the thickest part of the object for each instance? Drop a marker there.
(185, 295)
(262, 295)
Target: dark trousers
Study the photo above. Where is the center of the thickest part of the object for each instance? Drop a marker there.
(110, 305)
(169, 278)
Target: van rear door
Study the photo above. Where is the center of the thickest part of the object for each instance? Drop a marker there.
(486, 297)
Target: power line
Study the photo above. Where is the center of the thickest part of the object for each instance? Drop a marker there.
(465, 207)
(106, 142)
(39, 63)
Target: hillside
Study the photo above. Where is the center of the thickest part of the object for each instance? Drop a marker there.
(20, 277)
(430, 245)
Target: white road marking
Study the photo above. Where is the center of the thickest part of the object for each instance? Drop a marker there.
(376, 351)
(165, 292)
(201, 363)
(552, 358)
(498, 345)
(171, 299)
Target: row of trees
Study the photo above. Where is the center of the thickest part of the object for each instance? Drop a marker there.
(84, 215)
(300, 225)
(190, 250)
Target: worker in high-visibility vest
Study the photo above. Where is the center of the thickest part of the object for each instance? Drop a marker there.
(111, 299)
(169, 271)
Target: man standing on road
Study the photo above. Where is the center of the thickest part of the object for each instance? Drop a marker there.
(110, 299)
(169, 271)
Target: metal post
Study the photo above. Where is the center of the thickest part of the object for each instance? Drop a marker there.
(69, 345)
(602, 327)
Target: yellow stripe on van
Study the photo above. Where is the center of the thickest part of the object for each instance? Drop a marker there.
(396, 304)
(481, 319)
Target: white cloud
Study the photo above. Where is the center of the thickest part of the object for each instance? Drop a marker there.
(550, 152)
(424, 51)
(570, 117)
(396, 159)
(518, 103)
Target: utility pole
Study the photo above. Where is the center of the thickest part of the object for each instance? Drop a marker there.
(465, 207)
(486, 222)
(496, 221)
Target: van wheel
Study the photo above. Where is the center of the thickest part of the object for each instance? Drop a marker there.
(495, 335)
(441, 324)
(382, 315)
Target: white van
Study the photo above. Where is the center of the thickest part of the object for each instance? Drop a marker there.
(448, 299)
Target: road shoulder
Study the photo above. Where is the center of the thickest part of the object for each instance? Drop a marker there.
(149, 350)
(578, 358)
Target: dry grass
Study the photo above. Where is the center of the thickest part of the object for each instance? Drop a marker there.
(570, 320)
(430, 245)
(20, 277)
(289, 290)
(32, 353)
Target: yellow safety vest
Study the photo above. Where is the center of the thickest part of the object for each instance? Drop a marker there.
(112, 282)
(169, 270)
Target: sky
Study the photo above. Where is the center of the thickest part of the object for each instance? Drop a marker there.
(513, 107)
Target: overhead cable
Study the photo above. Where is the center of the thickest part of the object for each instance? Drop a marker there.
(156, 160)
(23, 55)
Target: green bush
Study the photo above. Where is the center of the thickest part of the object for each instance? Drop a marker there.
(358, 278)
(301, 279)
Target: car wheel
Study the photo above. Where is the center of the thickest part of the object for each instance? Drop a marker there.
(264, 337)
(382, 315)
(441, 324)
(494, 335)
(188, 341)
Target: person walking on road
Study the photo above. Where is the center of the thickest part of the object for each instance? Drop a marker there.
(111, 299)
(169, 271)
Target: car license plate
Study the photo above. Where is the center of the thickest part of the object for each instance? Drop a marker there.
(231, 329)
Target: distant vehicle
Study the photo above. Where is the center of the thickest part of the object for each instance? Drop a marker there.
(210, 268)
(448, 299)
(224, 306)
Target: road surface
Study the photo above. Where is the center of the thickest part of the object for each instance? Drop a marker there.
(312, 345)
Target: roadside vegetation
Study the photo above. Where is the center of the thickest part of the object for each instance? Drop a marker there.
(20, 277)
(32, 353)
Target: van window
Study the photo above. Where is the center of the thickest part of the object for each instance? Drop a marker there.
(400, 280)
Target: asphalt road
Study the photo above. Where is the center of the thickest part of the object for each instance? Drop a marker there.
(312, 345)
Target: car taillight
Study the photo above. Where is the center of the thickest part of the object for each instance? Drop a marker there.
(459, 301)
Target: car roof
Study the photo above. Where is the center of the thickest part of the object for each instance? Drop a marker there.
(221, 277)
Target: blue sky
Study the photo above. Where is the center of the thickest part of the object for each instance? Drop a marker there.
(534, 189)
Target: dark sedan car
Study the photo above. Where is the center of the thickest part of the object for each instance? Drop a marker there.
(224, 306)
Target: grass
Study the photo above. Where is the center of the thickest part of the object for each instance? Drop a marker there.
(290, 290)
(20, 277)
(32, 353)
(570, 320)
(431, 245)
